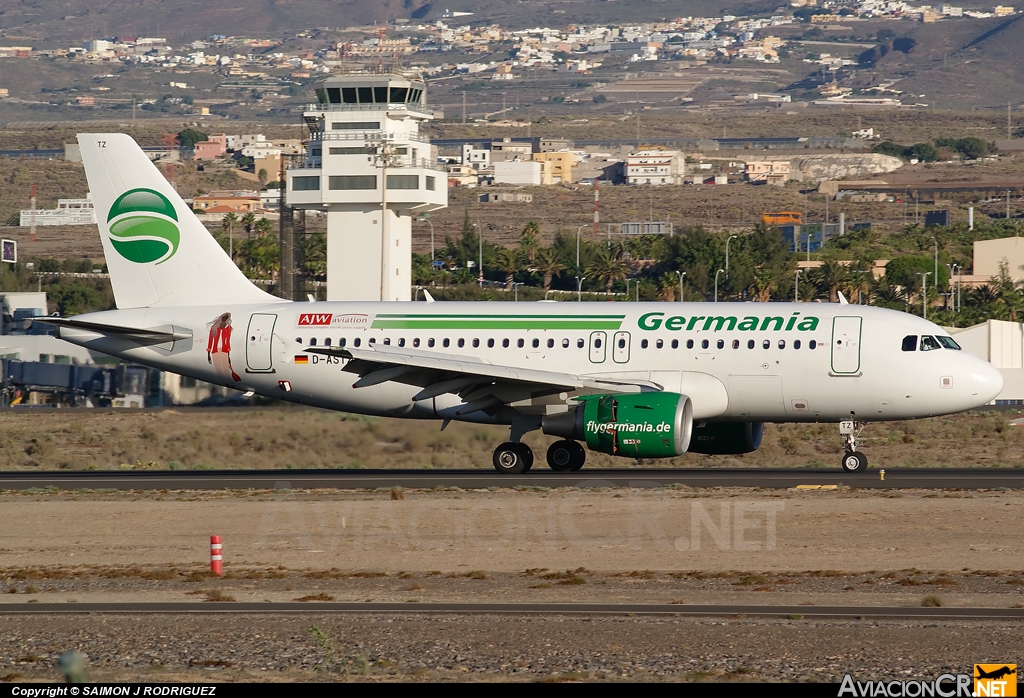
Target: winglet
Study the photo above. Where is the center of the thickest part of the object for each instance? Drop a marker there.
(842, 298)
(430, 298)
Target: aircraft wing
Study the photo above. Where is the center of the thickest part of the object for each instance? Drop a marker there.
(481, 385)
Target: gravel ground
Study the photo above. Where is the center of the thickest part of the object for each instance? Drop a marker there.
(498, 647)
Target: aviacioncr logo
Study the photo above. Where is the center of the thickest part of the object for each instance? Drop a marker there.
(143, 226)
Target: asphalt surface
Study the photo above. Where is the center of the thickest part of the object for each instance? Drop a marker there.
(517, 609)
(895, 478)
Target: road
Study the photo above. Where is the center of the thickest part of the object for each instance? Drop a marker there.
(518, 609)
(895, 478)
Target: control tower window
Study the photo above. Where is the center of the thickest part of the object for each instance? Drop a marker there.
(349, 95)
(380, 95)
(334, 95)
(321, 95)
(398, 94)
(365, 95)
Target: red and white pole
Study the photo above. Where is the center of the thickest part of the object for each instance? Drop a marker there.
(216, 559)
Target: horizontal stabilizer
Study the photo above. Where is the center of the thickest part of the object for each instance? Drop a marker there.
(143, 336)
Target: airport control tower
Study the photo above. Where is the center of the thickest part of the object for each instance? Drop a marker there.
(369, 168)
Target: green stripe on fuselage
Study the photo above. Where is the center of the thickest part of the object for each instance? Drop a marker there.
(495, 323)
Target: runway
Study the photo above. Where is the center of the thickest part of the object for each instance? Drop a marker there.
(768, 478)
(518, 609)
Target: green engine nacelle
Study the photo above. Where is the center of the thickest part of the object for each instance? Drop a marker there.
(638, 425)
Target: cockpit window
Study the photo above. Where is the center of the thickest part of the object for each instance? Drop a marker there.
(928, 343)
(948, 342)
(910, 342)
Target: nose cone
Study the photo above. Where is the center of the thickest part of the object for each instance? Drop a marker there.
(986, 383)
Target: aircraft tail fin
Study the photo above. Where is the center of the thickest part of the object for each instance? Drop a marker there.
(158, 253)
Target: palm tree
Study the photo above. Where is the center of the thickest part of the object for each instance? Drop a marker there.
(263, 226)
(530, 240)
(509, 262)
(608, 267)
(548, 264)
(667, 284)
(248, 220)
(229, 222)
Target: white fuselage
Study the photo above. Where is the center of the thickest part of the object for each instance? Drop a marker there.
(774, 362)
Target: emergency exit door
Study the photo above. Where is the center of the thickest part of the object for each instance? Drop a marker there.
(258, 342)
(846, 345)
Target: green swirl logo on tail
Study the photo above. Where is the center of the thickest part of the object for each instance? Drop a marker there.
(143, 226)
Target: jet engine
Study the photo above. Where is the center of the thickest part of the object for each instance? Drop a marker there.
(721, 438)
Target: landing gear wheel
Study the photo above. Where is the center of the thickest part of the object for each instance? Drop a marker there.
(580, 456)
(855, 462)
(527, 453)
(509, 458)
(562, 456)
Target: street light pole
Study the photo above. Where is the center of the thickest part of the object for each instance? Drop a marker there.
(936, 279)
(924, 293)
(720, 271)
(796, 286)
(680, 275)
(480, 254)
(579, 288)
(727, 255)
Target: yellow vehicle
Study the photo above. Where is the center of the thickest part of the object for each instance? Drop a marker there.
(783, 218)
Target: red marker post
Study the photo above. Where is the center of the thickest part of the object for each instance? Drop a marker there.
(216, 559)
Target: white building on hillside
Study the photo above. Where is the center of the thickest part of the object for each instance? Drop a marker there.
(655, 167)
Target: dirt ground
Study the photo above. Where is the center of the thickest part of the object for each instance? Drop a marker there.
(721, 546)
(284, 437)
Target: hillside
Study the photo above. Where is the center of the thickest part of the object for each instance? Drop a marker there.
(960, 63)
(77, 19)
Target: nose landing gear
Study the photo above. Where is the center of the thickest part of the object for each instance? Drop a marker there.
(853, 460)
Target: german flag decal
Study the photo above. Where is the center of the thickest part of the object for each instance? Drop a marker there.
(301, 359)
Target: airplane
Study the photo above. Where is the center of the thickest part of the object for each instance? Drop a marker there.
(636, 380)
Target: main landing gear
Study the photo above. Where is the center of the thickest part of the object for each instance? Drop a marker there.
(514, 458)
(853, 460)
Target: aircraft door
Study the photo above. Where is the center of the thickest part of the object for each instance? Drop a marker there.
(846, 345)
(598, 347)
(258, 341)
(620, 347)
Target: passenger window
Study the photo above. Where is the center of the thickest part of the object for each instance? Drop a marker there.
(416, 342)
(767, 344)
(373, 340)
(735, 344)
(401, 342)
(490, 343)
(551, 343)
(660, 343)
(643, 343)
(750, 344)
(536, 343)
(704, 344)
(430, 342)
(782, 344)
(597, 343)
(476, 343)
(720, 344)
(811, 344)
(355, 342)
(520, 343)
(796, 343)
(446, 343)
(928, 343)
(504, 343)
(579, 343)
(341, 342)
(387, 341)
(622, 343)
(565, 343)
(948, 342)
(462, 343)
(312, 341)
(689, 344)
(675, 343)
(327, 342)
(910, 342)
(298, 340)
